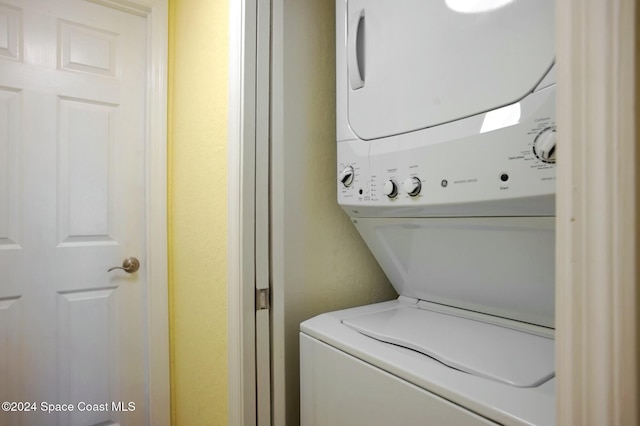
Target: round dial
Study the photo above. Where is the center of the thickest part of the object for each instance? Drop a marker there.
(390, 189)
(544, 147)
(412, 186)
(346, 176)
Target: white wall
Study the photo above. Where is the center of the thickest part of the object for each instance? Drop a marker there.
(319, 262)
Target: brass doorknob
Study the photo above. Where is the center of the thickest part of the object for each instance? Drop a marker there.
(129, 265)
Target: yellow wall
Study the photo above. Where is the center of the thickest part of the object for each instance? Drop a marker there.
(198, 45)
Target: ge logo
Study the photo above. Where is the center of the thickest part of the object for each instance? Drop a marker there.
(444, 183)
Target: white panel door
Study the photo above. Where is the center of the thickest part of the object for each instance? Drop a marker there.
(72, 205)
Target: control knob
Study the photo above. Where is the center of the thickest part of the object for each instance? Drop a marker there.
(412, 186)
(346, 176)
(390, 189)
(544, 147)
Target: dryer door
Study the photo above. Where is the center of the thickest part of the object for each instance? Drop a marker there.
(414, 64)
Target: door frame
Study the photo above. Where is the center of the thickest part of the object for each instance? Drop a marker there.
(241, 273)
(598, 202)
(158, 375)
(249, 326)
(158, 295)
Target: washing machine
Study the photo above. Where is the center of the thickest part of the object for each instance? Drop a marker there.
(446, 142)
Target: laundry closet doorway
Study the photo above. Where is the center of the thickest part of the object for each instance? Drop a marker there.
(315, 262)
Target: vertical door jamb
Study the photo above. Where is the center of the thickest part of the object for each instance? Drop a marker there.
(158, 295)
(262, 210)
(248, 202)
(597, 296)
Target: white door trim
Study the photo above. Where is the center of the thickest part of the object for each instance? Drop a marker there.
(157, 14)
(158, 295)
(241, 276)
(597, 215)
(262, 214)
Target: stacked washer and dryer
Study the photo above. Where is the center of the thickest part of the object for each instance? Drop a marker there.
(446, 165)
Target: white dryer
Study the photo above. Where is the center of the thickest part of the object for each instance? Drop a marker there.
(446, 165)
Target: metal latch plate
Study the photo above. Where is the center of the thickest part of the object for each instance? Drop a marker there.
(263, 299)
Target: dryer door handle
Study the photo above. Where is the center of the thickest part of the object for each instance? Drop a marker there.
(355, 51)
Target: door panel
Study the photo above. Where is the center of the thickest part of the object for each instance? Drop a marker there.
(10, 31)
(9, 347)
(10, 117)
(85, 171)
(84, 350)
(72, 205)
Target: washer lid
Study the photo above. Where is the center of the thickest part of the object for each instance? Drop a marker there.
(414, 64)
(487, 350)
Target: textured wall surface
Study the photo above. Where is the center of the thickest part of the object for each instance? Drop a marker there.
(197, 210)
(320, 263)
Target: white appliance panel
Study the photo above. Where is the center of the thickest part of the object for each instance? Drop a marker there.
(346, 392)
(498, 266)
(483, 165)
(474, 346)
(413, 64)
(322, 384)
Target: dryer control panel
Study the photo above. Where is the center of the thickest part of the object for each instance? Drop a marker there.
(497, 163)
